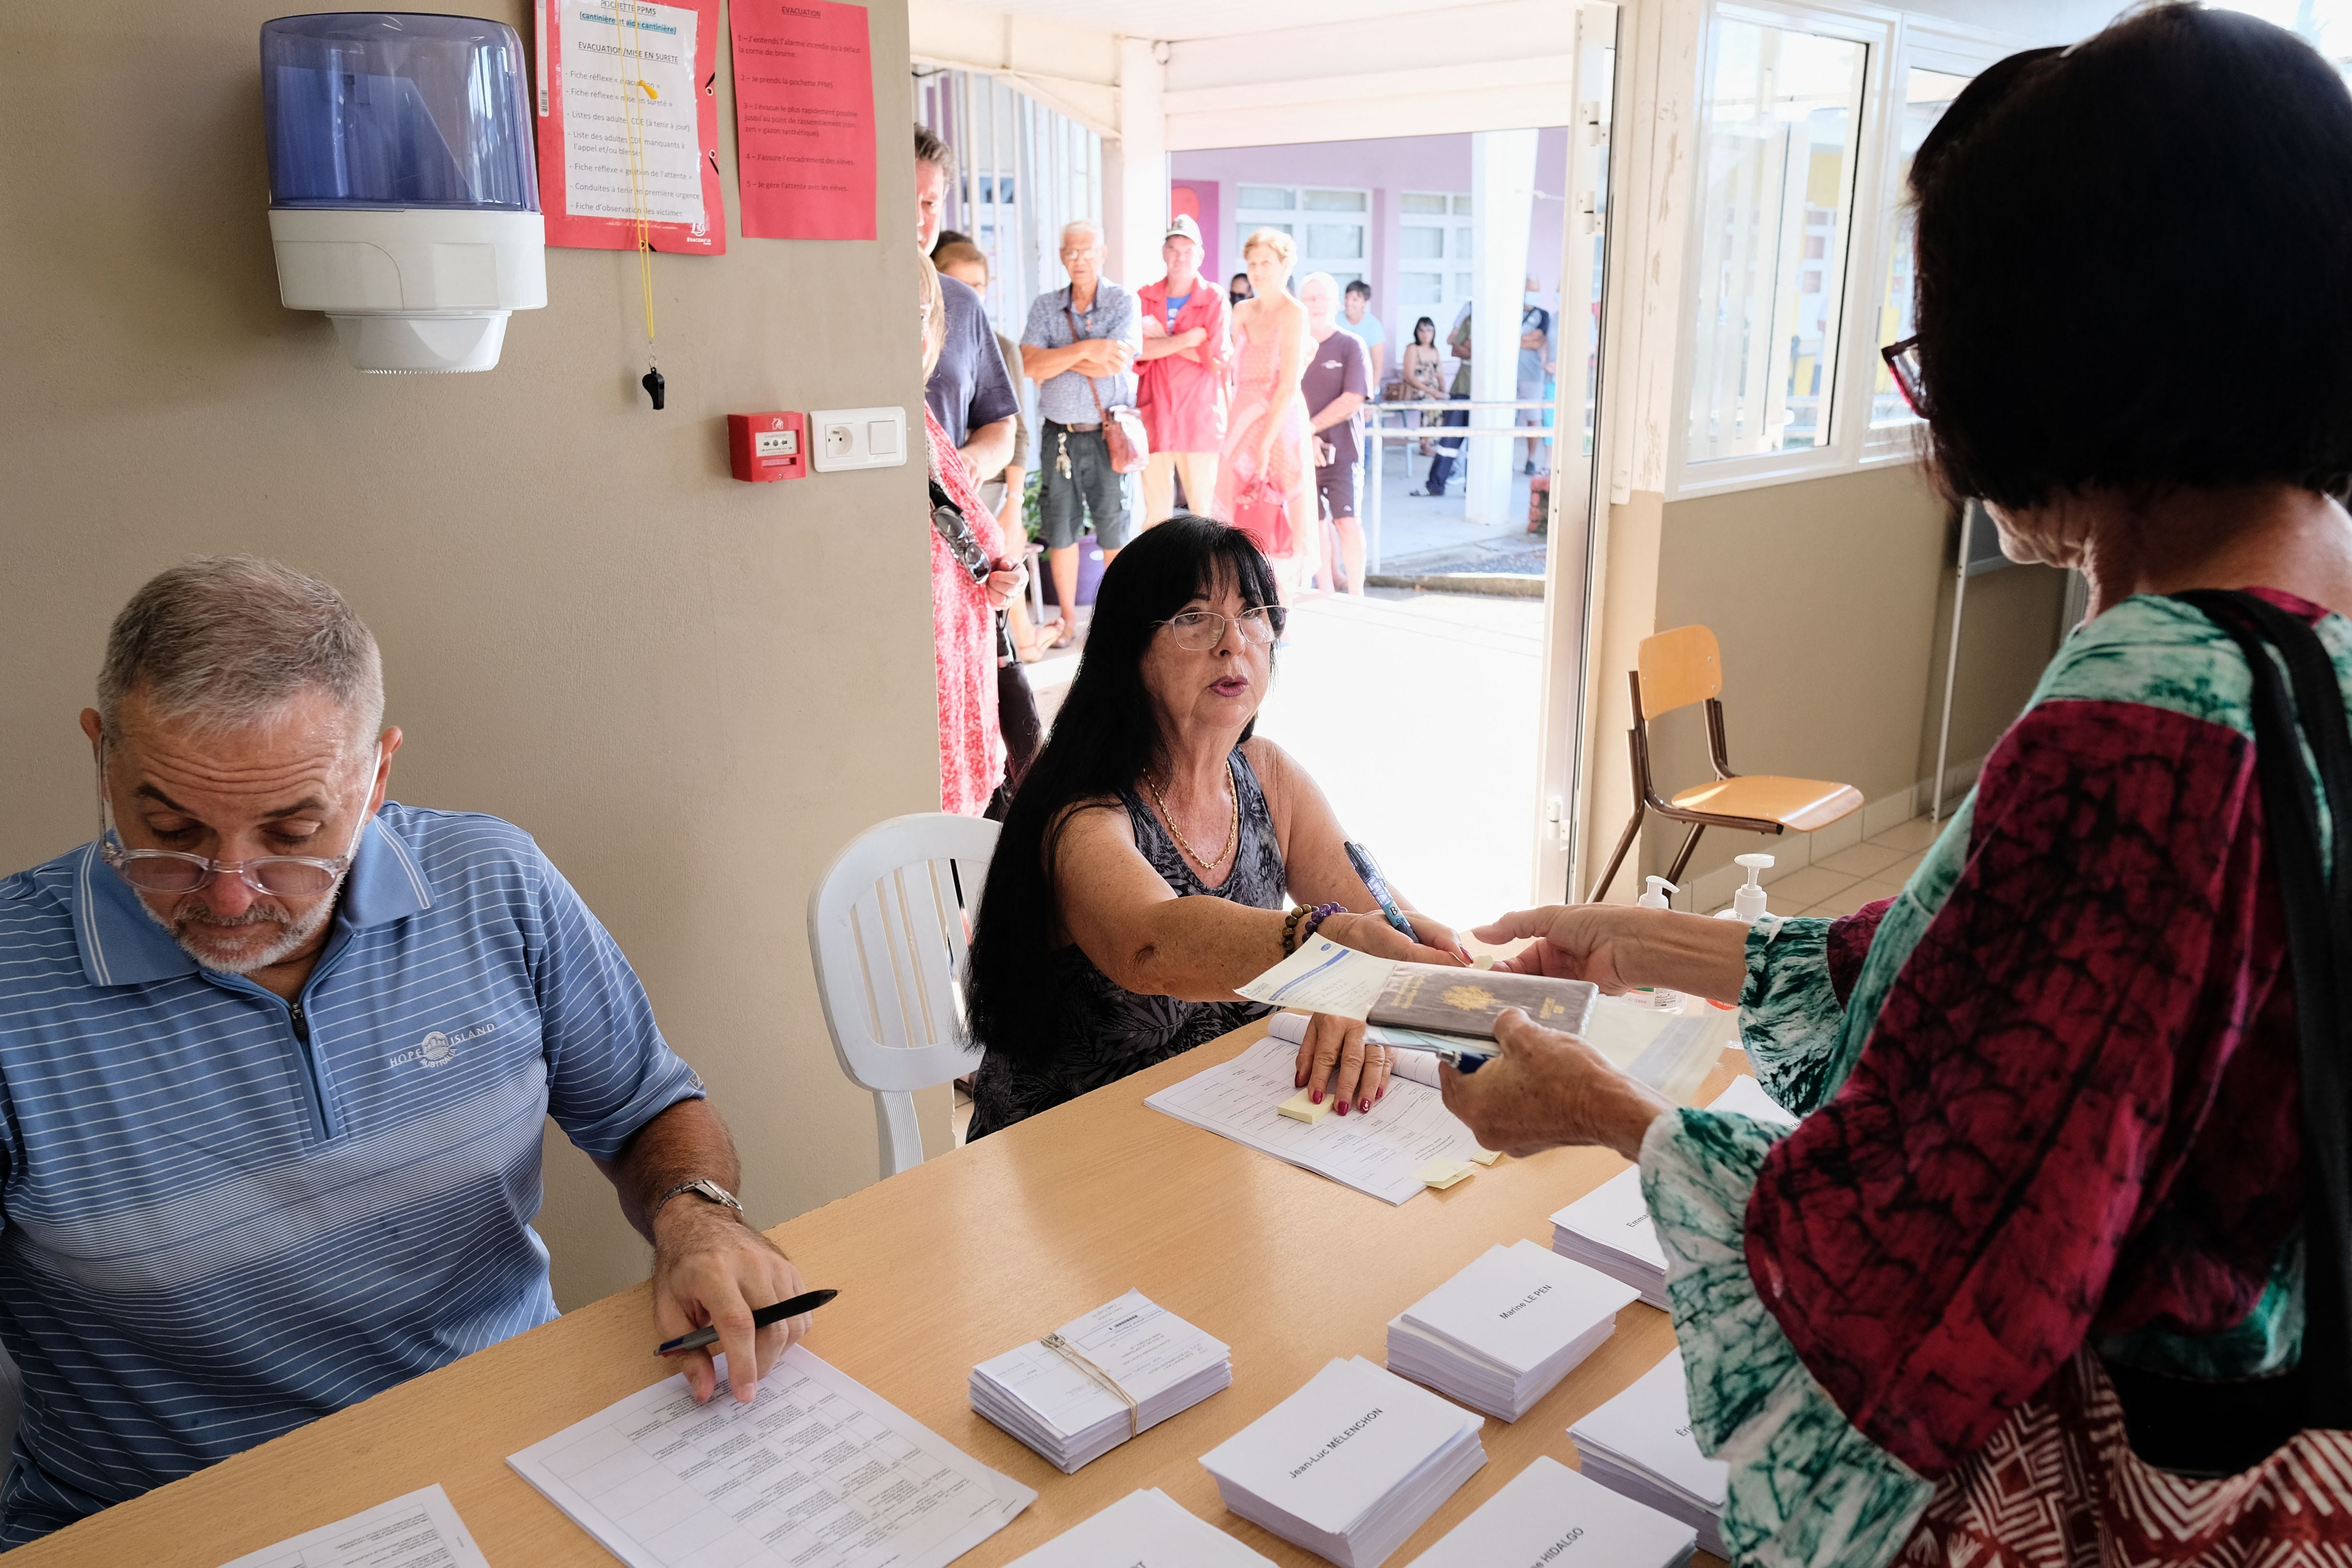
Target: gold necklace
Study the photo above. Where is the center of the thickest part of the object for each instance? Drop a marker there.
(1233, 834)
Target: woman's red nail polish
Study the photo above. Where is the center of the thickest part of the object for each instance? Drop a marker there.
(1365, 1106)
(1316, 1098)
(1343, 1107)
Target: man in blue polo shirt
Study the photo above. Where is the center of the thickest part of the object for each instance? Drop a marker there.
(274, 1054)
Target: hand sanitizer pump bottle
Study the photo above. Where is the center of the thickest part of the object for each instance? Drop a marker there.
(1748, 899)
(404, 195)
(1665, 1001)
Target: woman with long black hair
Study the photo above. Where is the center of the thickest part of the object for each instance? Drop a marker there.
(1147, 859)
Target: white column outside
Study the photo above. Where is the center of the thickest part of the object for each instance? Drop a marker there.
(1502, 195)
(1135, 169)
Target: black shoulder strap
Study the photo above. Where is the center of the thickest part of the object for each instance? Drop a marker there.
(2318, 899)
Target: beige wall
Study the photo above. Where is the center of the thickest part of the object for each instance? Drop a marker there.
(1830, 601)
(692, 690)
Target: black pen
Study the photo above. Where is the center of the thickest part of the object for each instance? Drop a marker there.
(790, 1308)
(1378, 886)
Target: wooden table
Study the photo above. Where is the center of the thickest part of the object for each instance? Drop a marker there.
(959, 1259)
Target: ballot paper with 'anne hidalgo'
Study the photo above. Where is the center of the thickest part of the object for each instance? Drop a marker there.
(1143, 1530)
(1550, 1517)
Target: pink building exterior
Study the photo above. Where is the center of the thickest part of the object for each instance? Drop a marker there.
(1205, 183)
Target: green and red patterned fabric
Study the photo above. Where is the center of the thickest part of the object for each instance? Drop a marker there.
(2048, 1099)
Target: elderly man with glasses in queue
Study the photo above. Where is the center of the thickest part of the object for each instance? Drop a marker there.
(275, 1055)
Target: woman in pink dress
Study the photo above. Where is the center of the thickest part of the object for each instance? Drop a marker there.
(963, 611)
(1268, 456)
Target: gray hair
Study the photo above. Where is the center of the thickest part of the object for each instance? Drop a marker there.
(228, 640)
(1089, 225)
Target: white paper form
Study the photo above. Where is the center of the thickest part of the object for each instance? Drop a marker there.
(1144, 1348)
(1143, 1530)
(1380, 1151)
(1323, 977)
(418, 1531)
(817, 1472)
(1550, 1517)
(610, 48)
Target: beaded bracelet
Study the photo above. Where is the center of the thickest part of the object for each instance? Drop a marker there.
(1315, 919)
(1290, 929)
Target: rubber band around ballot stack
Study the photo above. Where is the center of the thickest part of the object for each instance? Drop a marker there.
(1077, 1358)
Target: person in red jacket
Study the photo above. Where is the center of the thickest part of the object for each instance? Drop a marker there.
(1181, 376)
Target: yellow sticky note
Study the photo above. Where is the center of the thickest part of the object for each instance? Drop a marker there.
(1442, 1174)
(1301, 1107)
(1485, 1156)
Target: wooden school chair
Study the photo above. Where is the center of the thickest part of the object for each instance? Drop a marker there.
(890, 924)
(1675, 669)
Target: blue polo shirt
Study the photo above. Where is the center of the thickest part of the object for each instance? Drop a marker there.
(222, 1216)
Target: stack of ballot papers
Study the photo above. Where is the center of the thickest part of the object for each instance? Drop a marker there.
(1501, 1333)
(1550, 1517)
(1059, 1401)
(1143, 1530)
(1609, 1227)
(1640, 1444)
(817, 1471)
(1350, 1465)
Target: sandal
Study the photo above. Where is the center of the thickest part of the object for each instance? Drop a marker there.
(1067, 636)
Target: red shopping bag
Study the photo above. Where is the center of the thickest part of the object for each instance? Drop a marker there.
(1259, 512)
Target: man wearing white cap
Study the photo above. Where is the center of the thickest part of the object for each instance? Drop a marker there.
(1181, 370)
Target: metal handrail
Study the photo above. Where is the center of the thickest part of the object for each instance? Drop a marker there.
(1377, 434)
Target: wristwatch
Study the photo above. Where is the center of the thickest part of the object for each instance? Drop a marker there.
(701, 1188)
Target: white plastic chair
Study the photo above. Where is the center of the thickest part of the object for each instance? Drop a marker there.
(889, 926)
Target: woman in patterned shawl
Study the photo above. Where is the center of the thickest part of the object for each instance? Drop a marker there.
(1149, 854)
(2050, 1149)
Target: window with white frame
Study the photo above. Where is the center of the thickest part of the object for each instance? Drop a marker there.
(1332, 226)
(1926, 95)
(1437, 256)
(1783, 112)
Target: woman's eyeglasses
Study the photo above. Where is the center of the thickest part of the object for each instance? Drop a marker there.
(1197, 631)
(1903, 363)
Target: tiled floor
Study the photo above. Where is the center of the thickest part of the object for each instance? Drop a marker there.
(1843, 883)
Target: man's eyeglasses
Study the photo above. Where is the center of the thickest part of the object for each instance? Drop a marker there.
(1903, 363)
(1197, 631)
(172, 872)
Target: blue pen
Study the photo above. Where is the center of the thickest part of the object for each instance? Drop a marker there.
(1378, 885)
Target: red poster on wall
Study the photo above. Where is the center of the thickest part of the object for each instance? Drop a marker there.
(597, 62)
(803, 119)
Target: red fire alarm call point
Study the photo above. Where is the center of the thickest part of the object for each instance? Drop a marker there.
(767, 446)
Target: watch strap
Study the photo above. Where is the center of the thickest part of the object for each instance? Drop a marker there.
(702, 1188)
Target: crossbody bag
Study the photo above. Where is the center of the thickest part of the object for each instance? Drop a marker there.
(1122, 427)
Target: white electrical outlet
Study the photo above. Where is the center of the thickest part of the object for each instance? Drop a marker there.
(857, 438)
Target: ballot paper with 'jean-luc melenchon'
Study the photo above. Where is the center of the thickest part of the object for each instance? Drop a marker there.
(1323, 977)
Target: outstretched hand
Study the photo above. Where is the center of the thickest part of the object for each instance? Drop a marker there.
(1573, 942)
(1545, 1088)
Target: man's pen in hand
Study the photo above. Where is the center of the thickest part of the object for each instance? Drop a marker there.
(792, 1307)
